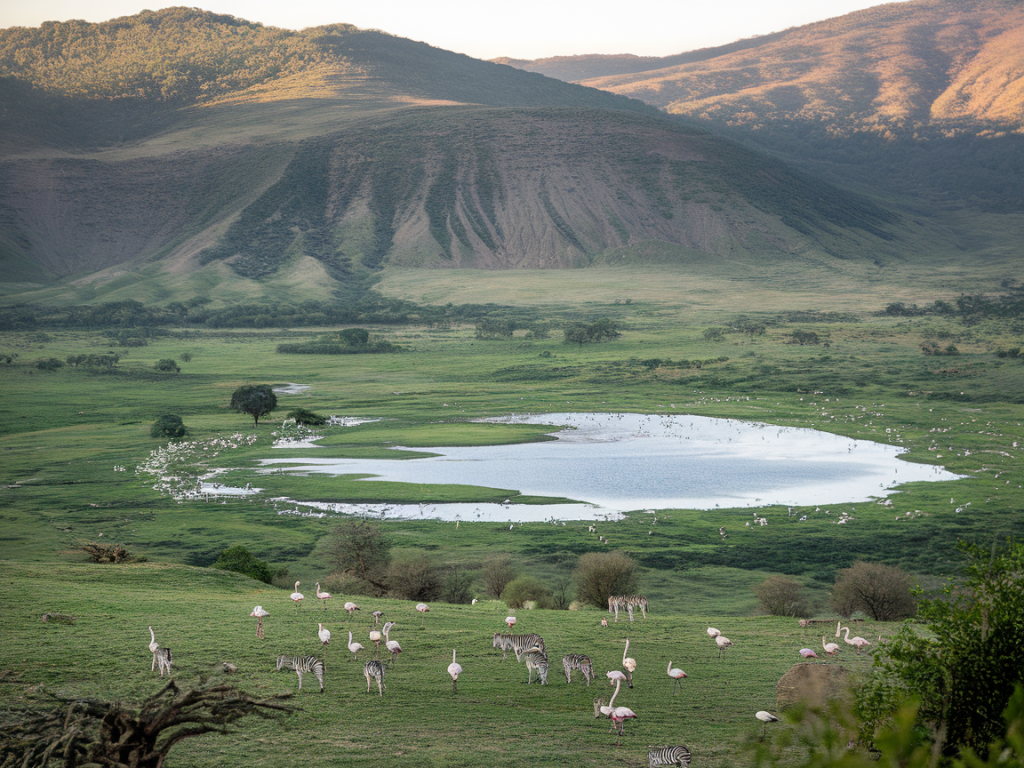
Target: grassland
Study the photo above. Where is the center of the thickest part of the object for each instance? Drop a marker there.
(63, 433)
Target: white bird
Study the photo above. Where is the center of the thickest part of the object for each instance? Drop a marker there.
(322, 596)
(376, 637)
(712, 632)
(154, 646)
(807, 653)
(350, 606)
(391, 645)
(296, 596)
(722, 642)
(376, 617)
(510, 620)
(628, 664)
(619, 715)
(676, 674)
(355, 648)
(830, 648)
(765, 717)
(259, 613)
(324, 634)
(454, 670)
(858, 642)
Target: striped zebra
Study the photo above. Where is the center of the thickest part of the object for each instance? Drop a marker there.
(537, 660)
(678, 755)
(374, 669)
(518, 644)
(163, 659)
(629, 603)
(301, 665)
(578, 661)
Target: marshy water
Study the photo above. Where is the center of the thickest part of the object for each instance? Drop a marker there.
(613, 463)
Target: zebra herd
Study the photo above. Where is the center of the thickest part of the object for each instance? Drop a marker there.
(628, 603)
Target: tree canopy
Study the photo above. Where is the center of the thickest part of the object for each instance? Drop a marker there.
(254, 399)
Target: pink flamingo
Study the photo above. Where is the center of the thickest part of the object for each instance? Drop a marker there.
(350, 606)
(858, 642)
(619, 715)
(259, 613)
(722, 642)
(354, 647)
(376, 637)
(324, 634)
(391, 645)
(807, 653)
(510, 620)
(296, 596)
(423, 608)
(676, 674)
(322, 596)
(830, 648)
(629, 664)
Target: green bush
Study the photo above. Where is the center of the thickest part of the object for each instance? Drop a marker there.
(167, 365)
(782, 596)
(168, 425)
(49, 364)
(526, 589)
(307, 418)
(241, 560)
(599, 575)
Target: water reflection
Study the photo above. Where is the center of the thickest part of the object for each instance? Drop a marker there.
(613, 463)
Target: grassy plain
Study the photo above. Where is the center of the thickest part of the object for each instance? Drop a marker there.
(63, 433)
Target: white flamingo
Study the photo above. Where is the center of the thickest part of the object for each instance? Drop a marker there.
(857, 642)
(259, 613)
(391, 645)
(510, 620)
(376, 637)
(376, 617)
(354, 647)
(722, 642)
(324, 634)
(830, 648)
(350, 606)
(154, 646)
(628, 664)
(423, 608)
(296, 596)
(454, 670)
(765, 717)
(712, 632)
(619, 715)
(676, 674)
(322, 596)
(807, 653)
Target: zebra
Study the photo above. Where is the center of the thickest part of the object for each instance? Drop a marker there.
(578, 661)
(375, 669)
(678, 755)
(518, 644)
(302, 664)
(629, 603)
(163, 658)
(503, 640)
(536, 659)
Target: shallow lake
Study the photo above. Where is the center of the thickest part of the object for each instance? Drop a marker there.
(614, 463)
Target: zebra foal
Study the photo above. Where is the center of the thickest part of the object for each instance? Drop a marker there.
(578, 661)
(678, 755)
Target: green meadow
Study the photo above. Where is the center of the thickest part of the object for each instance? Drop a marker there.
(73, 441)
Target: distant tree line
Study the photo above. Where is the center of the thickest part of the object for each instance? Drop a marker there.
(969, 309)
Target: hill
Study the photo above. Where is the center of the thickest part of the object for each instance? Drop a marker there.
(924, 96)
(173, 153)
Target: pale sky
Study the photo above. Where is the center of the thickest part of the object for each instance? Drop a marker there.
(525, 29)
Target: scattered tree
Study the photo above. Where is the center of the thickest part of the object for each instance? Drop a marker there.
(714, 334)
(497, 573)
(457, 587)
(526, 589)
(805, 337)
(186, 357)
(965, 669)
(241, 560)
(362, 551)
(599, 575)
(254, 399)
(594, 332)
(307, 418)
(414, 579)
(106, 553)
(167, 365)
(168, 425)
(782, 596)
(49, 364)
(883, 592)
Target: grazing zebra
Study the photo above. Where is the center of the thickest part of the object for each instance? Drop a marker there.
(578, 661)
(629, 603)
(536, 659)
(678, 755)
(301, 665)
(163, 658)
(375, 669)
(518, 644)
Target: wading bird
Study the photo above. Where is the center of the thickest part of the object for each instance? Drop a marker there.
(296, 596)
(259, 613)
(454, 670)
(722, 642)
(322, 596)
(765, 717)
(857, 642)
(677, 675)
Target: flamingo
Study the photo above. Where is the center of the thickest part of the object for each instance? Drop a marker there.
(807, 653)
(376, 617)
(259, 613)
(154, 646)
(676, 675)
(830, 648)
(354, 647)
(510, 620)
(454, 670)
(712, 632)
(765, 717)
(615, 676)
(858, 642)
(604, 622)
(422, 608)
(324, 634)
(628, 664)
(391, 645)
(619, 715)
(296, 596)
(322, 596)
(375, 636)
(722, 642)
(350, 606)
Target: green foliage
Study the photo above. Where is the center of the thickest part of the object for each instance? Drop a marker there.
(782, 596)
(49, 364)
(307, 418)
(495, 328)
(241, 560)
(362, 551)
(414, 578)
(966, 669)
(168, 425)
(599, 575)
(167, 365)
(599, 330)
(881, 591)
(457, 587)
(526, 589)
(254, 399)
(498, 571)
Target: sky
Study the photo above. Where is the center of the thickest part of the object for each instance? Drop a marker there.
(524, 29)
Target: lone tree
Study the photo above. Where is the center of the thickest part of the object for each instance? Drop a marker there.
(880, 591)
(241, 560)
(781, 596)
(361, 550)
(168, 425)
(254, 399)
(599, 575)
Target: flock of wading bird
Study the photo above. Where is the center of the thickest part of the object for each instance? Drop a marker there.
(530, 647)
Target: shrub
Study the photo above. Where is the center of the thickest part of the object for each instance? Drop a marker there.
(599, 575)
(241, 560)
(360, 550)
(457, 587)
(880, 591)
(106, 553)
(167, 365)
(415, 579)
(168, 425)
(49, 364)
(498, 572)
(307, 418)
(782, 596)
(526, 589)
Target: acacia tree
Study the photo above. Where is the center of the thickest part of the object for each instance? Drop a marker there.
(880, 591)
(498, 571)
(781, 596)
(361, 550)
(254, 399)
(599, 575)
